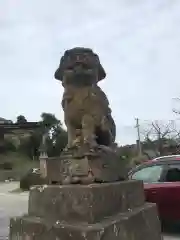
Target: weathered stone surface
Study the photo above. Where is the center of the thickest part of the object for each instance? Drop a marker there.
(85, 105)
(102, 166)
(90, 126)
(85, 203)
(139, 224)
(105, 211)
(50, 169)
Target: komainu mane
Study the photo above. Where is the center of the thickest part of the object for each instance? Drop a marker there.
(86, 107)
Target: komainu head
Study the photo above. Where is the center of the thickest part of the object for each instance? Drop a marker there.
(80, 65)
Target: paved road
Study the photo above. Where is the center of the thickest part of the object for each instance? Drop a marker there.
(170, 237)
(11, 204)
(14, 204)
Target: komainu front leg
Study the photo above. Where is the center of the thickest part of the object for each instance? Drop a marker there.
(88, 131)
(71, 135)
(106, 127)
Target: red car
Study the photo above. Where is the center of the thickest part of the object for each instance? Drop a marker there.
(161, 179)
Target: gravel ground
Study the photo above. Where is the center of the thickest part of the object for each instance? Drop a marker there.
(171, 237)
(15, 204)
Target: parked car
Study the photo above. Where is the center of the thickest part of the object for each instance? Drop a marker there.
(161, 178)
(168, 157)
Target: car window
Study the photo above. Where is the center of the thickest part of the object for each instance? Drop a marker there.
(148, 174)
(173, 173)
(174, 165)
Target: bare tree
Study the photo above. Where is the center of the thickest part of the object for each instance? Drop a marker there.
(155, 133)
(162, 129)
(176, 110)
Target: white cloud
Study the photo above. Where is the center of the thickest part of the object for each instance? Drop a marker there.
(138, 43)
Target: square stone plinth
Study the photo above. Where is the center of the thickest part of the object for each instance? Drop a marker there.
(85, 203)
(50, 169)
(140, 224)
(104, 165)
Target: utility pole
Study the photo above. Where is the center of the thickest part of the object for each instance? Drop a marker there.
(138, 135)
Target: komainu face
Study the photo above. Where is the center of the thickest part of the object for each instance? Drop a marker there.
(85, 105)
(80, 66)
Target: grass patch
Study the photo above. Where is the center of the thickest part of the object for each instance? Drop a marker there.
(20, 162)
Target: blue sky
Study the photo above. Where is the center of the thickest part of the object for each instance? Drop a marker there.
(138, 42)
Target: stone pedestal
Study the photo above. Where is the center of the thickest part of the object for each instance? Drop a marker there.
(100, 166)
(50, 169)
(105, 211)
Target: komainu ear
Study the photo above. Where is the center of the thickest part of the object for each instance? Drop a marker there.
(60, 71)
(101, 72)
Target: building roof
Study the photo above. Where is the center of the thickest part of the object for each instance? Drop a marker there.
(9, 125)
(4, 121)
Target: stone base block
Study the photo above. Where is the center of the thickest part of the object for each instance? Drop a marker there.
(85, 203)
(139, 224)
(100, 166)
(50, 169)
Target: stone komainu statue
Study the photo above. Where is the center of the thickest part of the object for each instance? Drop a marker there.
(86, 107)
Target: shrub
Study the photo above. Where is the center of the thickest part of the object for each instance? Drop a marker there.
(6, 166)
(138, 160)
(31, 179)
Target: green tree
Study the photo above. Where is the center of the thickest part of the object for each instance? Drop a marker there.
(59, 140)
(49, 121)
(56, 137)
(21, 119)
